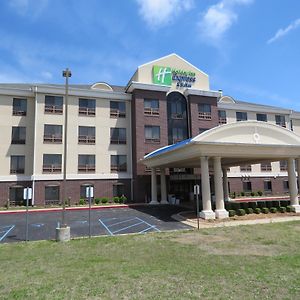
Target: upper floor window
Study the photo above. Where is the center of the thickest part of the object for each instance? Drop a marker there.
(118, 163)
(19, 107)
(52, 133)
(18, 135)
(86, 135)
(118, 135)
(177, 134)
(204, 111)
(53, 104)
(222, 116)
(87, 107)
(151, 107)
(261, 117)
(152, 134)
(86, 163)
(117, 109)
(241, 116)
(280, 120)
(17, 164)
(177, 110)
(283, 165)
(265, 167)
(246, 168)
(52, 163)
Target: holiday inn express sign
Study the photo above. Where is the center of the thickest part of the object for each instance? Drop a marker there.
(167, 75)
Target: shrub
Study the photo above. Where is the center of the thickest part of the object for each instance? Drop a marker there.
(104, 200)
(241, 212)
(232, 195)
(249, 210)
(265, 210)
(81, 201)
(242, 194)
(259, 193)
(273, 210)
(97, 200)
(257, 210)
(122, 199)
(290, 209)
(232, 213)
(116, 199)
(282, 209)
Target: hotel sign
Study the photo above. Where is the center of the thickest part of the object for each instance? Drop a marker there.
(167, 75)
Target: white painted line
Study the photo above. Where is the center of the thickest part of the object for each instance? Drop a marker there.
(128, 227)
(149, 228)
(121, 222)
(7, 232)
(148, 224)
(106, 227)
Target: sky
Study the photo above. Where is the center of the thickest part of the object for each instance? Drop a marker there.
(249, 48)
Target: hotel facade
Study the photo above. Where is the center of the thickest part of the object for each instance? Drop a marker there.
(112, 128)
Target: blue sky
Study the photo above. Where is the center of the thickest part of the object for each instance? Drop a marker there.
(250, 48)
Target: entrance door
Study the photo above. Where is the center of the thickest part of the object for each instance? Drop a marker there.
(16, 195)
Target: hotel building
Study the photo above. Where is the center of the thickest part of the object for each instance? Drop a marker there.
(112, 128)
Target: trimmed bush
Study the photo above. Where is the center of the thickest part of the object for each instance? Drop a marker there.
(265, 210)
(81, 201)
(252, 194)
(232, 213)
(104, 200)
(116, 199)
(273, 210)
(242, 194)
(249, 210)
(259, 193)
(257, 210)
(282, 209)
(290, 208)
(122, 199)
(97, 200)
(241, 212)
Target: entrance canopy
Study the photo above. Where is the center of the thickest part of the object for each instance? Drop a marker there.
(240, 143)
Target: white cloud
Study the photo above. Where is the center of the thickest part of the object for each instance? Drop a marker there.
(157, 13)
(218, 19)
(30, 8)
(284, 31)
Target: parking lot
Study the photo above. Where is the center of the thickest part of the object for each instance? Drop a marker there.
(110, 221)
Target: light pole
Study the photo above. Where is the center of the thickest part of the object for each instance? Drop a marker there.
(66, 73)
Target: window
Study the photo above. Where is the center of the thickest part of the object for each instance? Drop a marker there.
(83, 190)
(86, 135)
(201, 130)
(17, 164)
(280, 120)
(291, 125)
(118, 189)
(267, 186)
(53, 104)
(87, 107)
(51, 194)
(204, 111)
(151, 107)
(117, 109)
(265, 167)
(52, 163)
(118, 135)
(245, 168)
(247, 186)
(222, 117)
(261, 117)
(86, 163)
(118, 163)
(152, 134)
(286, 186)
(241, 116)
(177, 109)
(18, 135)
(283, 165)
(177, 134)
(19, 107)
(52, 134)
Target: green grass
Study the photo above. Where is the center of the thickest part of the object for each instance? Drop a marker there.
(245, 262)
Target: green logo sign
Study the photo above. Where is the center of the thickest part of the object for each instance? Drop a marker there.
(162, 75)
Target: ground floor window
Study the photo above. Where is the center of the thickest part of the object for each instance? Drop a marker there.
(118, 190)
(16, 195)
(247, 186)
(267, 186)
(52, 194)
(286, 185)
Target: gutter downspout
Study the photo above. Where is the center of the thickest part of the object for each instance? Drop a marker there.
(35, 90)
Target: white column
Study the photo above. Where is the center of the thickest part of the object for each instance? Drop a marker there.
(220, 211)
(163, 187)
(225, 185)
(293, 185)
(153, 187)
(207, 212)
(298, 171)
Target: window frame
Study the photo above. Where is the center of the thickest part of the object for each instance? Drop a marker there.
(204, 111)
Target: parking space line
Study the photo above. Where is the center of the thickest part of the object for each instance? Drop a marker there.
(149, 228)
(149, 224)
(124, 228)
(11, 227)
(106, 227)
(121, 222)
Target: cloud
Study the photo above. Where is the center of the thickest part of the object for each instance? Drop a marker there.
(30, 8)
(158, 13)
(218, 19)
(284, 31)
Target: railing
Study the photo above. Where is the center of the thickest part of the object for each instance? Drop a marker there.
(152, 141)
(118, 168)
(148, 111)
(19, 112)
(52, 202)
(86, 168)
(204, 115)
(283, 168)
(265, 168)
(50, 138)
(245, 168)
(53, 109)
(177, 116)
(17, 171)
(222, 121)
(115, 113)
(177, 140)
(87, 111)
(118, 141)
(86, 139)
(282, 124)
(19, 141)
(51, 168)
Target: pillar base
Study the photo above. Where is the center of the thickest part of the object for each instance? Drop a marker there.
(207, 214)
(153, 202)
(221, 213)
(63, 234)
(296, 207)
(164, 202)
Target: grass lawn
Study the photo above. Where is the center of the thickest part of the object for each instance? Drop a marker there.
(245, 262)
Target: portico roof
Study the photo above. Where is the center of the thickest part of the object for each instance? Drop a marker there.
(246, 142)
